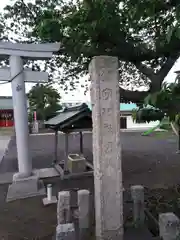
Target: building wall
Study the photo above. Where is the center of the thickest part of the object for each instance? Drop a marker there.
(6, 118)
(134, 125)
(70, 104)
(6, 111)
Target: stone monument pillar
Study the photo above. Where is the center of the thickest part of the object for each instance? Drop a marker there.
(106, 147)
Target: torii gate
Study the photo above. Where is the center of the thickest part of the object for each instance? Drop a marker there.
(24, 182)
(29, 76)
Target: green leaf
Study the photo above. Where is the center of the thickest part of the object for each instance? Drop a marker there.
(169, 34)
(134, 31)
(178, 12)
(45, 100)
(177, 32)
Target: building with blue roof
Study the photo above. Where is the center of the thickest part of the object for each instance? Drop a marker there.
(125, 115)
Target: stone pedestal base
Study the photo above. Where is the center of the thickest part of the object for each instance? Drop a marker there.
(48, 202)
(24, 188)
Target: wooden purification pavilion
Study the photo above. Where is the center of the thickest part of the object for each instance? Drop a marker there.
(69, 120)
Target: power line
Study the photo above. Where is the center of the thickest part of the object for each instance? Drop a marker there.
(9, 81)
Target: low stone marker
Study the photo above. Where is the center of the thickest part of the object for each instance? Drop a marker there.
(169, 226)
(137, 194)
(35, 127)
(63, 207)
(65, 232)
(76, 163)
(83, 213)
(50, 199)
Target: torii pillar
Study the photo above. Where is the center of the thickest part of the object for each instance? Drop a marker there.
(24, 182)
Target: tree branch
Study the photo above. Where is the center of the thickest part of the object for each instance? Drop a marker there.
(156, 81)
(169, 4)
(132, 96)
(148, 72)
(162, 73)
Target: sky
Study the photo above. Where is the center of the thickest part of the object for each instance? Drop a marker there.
(78, 94)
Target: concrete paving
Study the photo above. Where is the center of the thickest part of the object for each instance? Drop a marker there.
(138, 234)
(4, 144)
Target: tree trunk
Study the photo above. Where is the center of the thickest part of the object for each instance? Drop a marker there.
(177, 133)
(174, 129)
(132, 96)
(156, 80)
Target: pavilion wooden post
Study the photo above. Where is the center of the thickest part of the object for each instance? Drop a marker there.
(177, 80)
(56, 147)
(18, 52)
(66, 152)
(81, 142)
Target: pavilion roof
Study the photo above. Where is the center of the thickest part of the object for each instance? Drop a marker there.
(71, 118)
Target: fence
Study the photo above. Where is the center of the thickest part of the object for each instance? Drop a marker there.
(169, 223)
(74, 221)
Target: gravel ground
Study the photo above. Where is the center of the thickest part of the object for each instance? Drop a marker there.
(145, 160)
(151, 161)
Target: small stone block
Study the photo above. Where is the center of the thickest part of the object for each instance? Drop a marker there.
(137, 193)
(84, 208)
(65, 232)
(47, 202)
(35, 128)
(63, 207)
(76, 163)
(25, 189)
(169, 226)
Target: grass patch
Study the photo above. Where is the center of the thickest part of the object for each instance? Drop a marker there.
(162, 134)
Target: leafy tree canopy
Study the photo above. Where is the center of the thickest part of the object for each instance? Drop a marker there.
(158, 105)
(44, 100)
(143, 34)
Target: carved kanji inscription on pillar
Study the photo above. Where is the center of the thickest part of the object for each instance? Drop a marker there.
(108, 147)
(104, 73)
(18, 88)
(106, 94)
(108, 128)
(106, 112)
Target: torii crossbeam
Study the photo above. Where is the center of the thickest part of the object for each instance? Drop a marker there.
(29, 76)
(24, 182)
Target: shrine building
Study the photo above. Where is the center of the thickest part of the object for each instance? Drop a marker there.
(6, 112)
